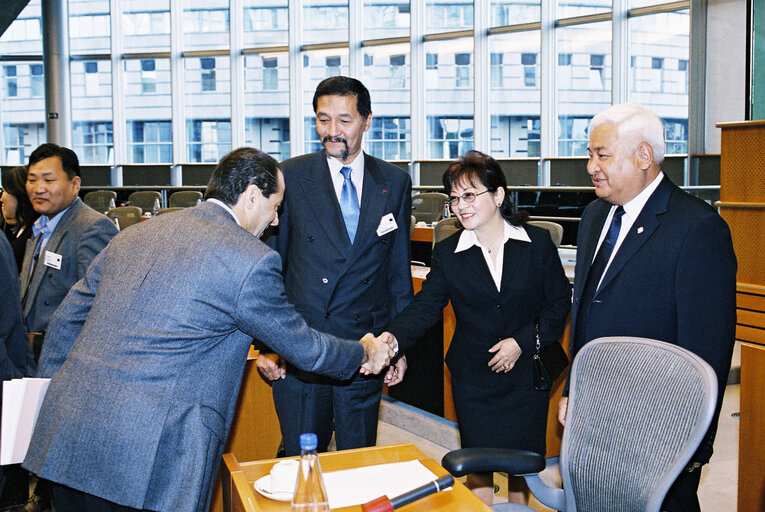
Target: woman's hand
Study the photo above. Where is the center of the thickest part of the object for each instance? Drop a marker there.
(507, 353)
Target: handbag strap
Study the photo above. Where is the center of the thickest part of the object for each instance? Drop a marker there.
(536, 324)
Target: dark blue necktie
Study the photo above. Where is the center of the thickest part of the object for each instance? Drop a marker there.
(596, 272)
(349, 203)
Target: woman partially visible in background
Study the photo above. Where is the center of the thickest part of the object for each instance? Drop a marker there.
(18, 214)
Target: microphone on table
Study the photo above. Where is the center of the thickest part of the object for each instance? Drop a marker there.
(384, 504)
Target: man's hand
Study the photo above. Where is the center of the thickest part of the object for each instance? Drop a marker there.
(391, 340)
(377, 355)
(271, 366)
(396, 372)
(562, 408)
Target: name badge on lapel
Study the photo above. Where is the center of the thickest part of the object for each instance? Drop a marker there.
(387, 224)
(52, 260)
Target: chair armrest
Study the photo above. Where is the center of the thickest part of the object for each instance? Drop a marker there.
(477, 460)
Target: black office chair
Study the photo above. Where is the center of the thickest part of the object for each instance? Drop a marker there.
(637, 411)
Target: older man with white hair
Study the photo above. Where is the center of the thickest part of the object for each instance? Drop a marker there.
(652, 261)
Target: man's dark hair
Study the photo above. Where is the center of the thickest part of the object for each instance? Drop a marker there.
(344, 86)
(238, 170)
(69, 161)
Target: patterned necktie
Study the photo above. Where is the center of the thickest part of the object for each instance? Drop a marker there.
(349, 203)
(596, 273)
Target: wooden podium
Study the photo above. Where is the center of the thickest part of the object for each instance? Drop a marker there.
(742, 205)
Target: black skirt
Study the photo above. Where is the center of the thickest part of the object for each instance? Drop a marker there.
(501, 416)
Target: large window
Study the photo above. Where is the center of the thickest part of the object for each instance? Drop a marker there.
(585, 85)
(148, 110)
(208, 108)
(444, 76)
(515, 95)
(449, 98)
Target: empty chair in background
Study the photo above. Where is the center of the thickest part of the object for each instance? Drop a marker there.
(185, 198)
(169, 210)
(145, 200)
(555, 229)
(429, 206)
(100, 200)
(444, 228)
(126, 215)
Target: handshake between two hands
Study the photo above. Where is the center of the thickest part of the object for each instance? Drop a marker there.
(378, 352)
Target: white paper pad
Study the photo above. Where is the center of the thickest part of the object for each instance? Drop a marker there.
(22, 399)
(356, 486)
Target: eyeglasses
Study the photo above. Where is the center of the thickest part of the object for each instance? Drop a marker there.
(467, 197)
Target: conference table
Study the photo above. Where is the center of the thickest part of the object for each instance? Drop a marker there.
(239, 494)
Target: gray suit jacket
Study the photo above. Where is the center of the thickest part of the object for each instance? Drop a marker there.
(147, 354)
(80, 234)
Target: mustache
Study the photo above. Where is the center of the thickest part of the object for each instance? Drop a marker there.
(330, 138)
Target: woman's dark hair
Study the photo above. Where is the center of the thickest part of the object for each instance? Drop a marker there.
(238, 170)
(475, 167)
(14, 183)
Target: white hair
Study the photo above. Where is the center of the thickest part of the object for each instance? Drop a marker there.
(634, 122)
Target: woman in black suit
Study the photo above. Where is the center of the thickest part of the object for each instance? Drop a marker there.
(502, 277)
(18, 214)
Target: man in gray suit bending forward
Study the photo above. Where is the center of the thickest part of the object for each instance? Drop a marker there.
(146, 353)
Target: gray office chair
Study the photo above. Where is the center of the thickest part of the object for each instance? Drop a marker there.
(100, 200)
(126, 215)
(445, 228)
(169, 210)
(185, 198)
(144, 199)
(637, 411)
(411, 227)
(429, 206)
(555, 229)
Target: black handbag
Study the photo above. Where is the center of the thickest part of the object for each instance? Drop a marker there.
(548, 364)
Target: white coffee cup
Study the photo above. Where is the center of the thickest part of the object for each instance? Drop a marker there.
(284, 475)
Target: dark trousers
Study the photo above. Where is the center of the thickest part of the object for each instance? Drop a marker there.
(67, 499)
(683, 495)
(305, 407)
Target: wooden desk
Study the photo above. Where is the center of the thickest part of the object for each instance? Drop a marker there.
(240, 497)
(422, 234)
(254, 430)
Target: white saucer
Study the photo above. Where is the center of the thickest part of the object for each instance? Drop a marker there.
(263, 486)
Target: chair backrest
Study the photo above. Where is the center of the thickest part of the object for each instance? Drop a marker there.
(444, 228)
(637, 411)
(126, 215)
(144, 199)
(555, 229)
(428, 206)
(100, 200)
(411, 227)
(185, 198)
(168, 210)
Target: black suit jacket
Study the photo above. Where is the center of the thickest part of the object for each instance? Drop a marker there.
(673, 279)
(533, 286)
(343, 289)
